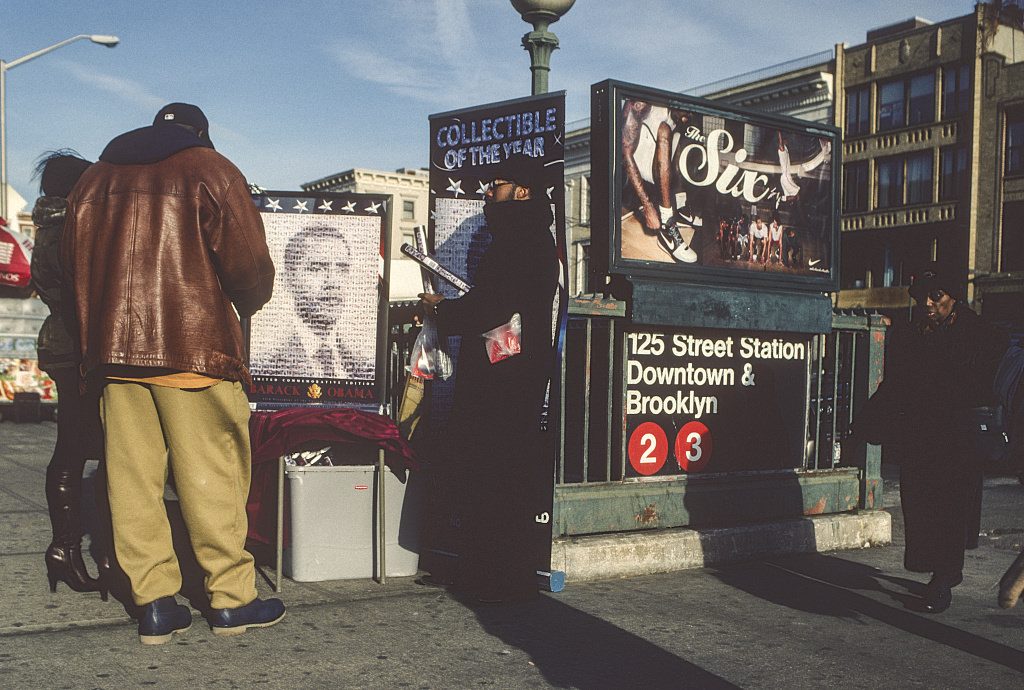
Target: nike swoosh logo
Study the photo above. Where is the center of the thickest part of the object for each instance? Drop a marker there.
(814, 262)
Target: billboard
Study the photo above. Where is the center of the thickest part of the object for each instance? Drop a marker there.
(320, 338)
(686, 189)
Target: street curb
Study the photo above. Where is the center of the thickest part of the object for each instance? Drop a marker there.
(658, 551)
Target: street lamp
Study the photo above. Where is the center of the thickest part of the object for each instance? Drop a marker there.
(541, 42)
(109, 41)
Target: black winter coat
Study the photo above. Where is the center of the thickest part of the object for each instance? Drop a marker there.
(55, 344)
(933, 375)
(517, 273)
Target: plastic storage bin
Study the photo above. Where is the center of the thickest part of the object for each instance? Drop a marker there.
(334, 535)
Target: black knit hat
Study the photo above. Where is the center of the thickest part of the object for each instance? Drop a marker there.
(930, 277)
(188, 115)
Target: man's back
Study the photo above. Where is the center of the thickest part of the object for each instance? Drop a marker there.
(158, 252)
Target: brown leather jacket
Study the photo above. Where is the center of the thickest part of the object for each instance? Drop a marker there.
(157, 253)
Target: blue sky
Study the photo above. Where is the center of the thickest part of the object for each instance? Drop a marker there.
(300, 90)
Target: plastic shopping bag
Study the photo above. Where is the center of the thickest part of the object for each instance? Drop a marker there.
(429, 358)
(504, 341)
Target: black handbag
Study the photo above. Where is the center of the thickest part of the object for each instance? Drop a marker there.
(988, 434)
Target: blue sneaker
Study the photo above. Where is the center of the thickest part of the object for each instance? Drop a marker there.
(161, 619)
(255, 614)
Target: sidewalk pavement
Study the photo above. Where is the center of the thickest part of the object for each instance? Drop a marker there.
(806, 620)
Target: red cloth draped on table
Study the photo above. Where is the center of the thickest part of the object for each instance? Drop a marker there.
(274, 434)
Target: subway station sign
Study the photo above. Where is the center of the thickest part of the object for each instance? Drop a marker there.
(709, 401)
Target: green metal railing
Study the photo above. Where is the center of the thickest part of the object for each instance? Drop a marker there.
(844, 370)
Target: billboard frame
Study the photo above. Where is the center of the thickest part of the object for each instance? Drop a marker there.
(608, 181)
(274, 389)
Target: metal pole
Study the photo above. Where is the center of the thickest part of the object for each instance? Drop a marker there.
(382, 536)
(3, 140)
(109, 41)
(540, 42)
(279, 553)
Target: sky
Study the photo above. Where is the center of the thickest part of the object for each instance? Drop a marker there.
(300, 90)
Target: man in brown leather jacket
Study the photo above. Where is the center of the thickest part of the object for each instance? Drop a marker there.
(162, 246)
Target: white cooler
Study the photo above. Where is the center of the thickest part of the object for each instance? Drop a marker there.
(333, 534)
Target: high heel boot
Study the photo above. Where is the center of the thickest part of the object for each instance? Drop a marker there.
(64, 556)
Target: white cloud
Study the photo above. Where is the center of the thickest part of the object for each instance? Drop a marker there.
(433, 50)
(127, 90)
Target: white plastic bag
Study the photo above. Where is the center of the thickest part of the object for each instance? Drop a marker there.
(429, 357)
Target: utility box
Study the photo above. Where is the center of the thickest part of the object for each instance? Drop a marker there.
(334, 523)
(27, 407)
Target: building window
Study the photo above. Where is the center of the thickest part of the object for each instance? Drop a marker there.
(956, 91)
(921, 100)
(889, 266)
(1012, 254)
(952, 173)
(890, 183)
(408, 209)
(585, 200)
(858, 111)
(1015, 143)
(855, 187)
(890, 106)
(919, 178)
(906, 102)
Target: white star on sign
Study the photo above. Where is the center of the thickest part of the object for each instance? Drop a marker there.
(350, 207)
(455, 187)
(326, 206)
(273, 205)
(484, 186)
(300, 206)
(372, 208)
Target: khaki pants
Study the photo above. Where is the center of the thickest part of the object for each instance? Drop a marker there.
(202, 436)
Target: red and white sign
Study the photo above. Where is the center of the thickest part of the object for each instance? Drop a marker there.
(693, 447)
(648, 448)
(15, 258)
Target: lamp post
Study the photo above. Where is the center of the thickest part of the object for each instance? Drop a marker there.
(109, 41)
(540, 42)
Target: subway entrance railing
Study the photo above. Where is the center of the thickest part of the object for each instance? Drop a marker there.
(593, 492)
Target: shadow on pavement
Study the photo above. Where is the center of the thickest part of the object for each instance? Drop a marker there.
(574, 649)
(826, 585)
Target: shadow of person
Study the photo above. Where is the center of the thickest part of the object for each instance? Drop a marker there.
(572, 649)
(96, 524)
(832, 586)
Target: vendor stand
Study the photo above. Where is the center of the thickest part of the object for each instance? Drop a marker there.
(318, 348)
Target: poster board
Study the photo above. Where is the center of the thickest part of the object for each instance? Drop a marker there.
(321, 339)
(668, 166)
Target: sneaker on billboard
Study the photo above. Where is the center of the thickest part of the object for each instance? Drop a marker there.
(687, 217)
(672, 242)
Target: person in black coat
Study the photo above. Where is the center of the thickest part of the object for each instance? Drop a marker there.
(494, 427)
(78, 422)
(937, 368)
